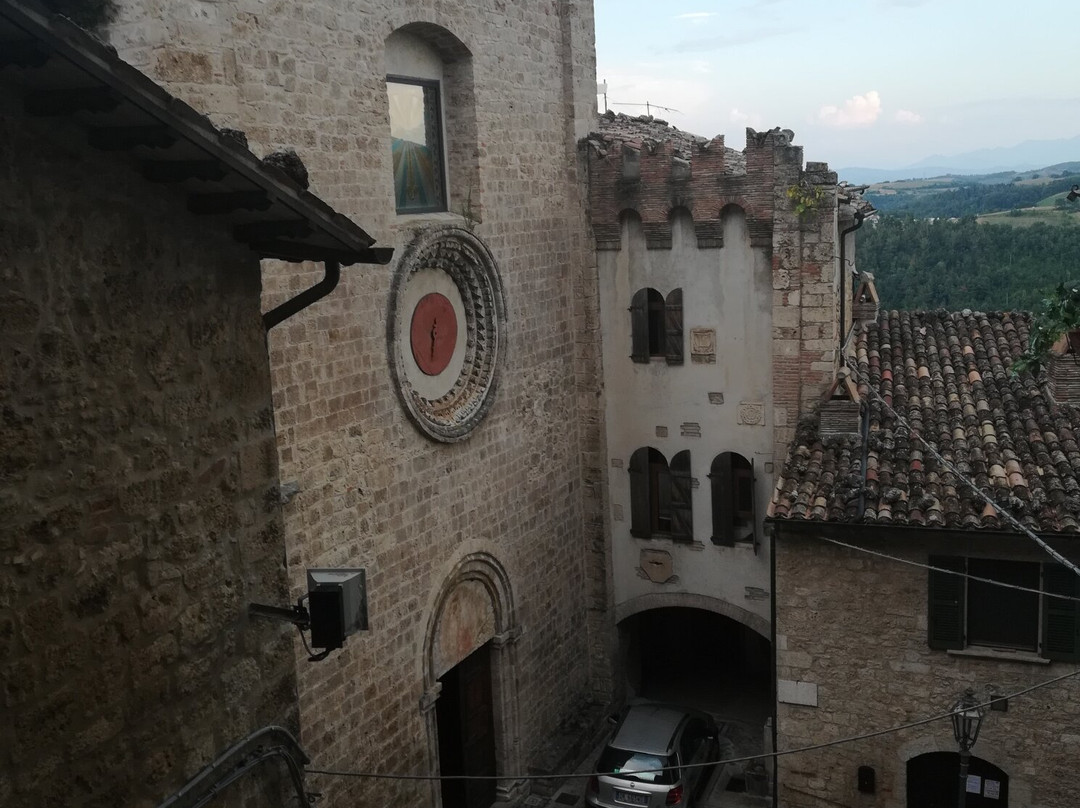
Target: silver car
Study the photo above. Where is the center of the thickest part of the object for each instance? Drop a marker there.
(657, 758)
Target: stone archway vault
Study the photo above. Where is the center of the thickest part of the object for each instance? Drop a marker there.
(661, 600)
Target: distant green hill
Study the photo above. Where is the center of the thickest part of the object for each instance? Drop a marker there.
(924, 264)
(952, 197)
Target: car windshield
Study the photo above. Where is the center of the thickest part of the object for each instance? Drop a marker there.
(620, 761)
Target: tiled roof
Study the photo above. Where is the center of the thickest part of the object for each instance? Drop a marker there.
(948, 375)
(63, 72)
(645, 129)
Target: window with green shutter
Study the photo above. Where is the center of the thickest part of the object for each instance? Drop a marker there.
(967, 612)
(1061, 618)
(945, 620)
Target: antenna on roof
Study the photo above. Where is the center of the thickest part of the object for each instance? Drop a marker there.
(649, 106)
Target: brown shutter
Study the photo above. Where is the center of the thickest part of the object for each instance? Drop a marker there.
(640, 521)
(1061, 618)
(682, 516)
(673, 329)
(639, 326)
(753, 508)
(945, 615)
(723, 498)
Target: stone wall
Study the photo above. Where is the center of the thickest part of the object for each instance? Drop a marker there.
(137, 486)
(525, 487)
(853, 628)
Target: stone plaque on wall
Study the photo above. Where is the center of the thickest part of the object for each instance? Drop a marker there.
(752, 413)
(656, 565)
(703, 346)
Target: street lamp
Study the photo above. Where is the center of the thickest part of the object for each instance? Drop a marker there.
(967, 717)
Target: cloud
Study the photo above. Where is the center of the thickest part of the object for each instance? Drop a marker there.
(751, 119)
(696, 15)
(907, 116)
(859, 110)
(732, 40)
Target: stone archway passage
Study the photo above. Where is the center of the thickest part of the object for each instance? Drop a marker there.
(933, 781)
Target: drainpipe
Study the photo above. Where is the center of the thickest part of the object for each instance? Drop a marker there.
(860, 217)
(294, 305)
(773, 530)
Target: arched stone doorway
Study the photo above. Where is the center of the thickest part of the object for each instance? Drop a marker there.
(470, 695)
(933, 781)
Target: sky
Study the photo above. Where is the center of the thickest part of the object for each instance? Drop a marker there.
(878, 83)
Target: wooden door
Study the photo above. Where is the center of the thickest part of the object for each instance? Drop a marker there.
(466, 729)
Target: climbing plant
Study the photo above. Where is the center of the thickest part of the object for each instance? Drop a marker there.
(1060, 314)
(805, 198)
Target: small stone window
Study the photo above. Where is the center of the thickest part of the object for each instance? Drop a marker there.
(416, 142)
(660, 495)
(656, 326)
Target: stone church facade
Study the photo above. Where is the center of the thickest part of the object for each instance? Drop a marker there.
(437, 418)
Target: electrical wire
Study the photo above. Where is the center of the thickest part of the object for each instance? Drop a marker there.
(745, 758)
(312, 656)
(950, 572)
(1008, 517)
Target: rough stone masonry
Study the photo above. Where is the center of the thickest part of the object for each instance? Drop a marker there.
(524, 490)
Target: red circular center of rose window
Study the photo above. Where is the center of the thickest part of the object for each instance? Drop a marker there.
(433, 333)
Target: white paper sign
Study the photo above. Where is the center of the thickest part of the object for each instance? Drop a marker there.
(974, 784)
(992, 790)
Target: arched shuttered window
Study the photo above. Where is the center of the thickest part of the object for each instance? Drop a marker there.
(656, 326)
(731, 478)
(660, 495)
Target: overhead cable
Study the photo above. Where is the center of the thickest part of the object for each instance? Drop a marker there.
(744, 759)
(942, 569)
(1009, 518)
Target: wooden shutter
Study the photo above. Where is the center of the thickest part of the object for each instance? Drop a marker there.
(673, 330)
(639, 326)
(753, 508)
(1061, 618)
(723, 494)
(640, 518)
(945, 618)
(682, 516)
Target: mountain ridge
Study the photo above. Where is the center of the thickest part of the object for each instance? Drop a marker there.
(1025, 156)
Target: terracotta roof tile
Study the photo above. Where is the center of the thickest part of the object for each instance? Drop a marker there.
(948, 375)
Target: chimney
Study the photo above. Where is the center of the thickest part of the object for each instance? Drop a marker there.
(1063, 369)
(840, 408)
(865, 303)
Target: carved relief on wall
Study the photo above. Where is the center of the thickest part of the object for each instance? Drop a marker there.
(703, 345)
(752, 413)
(445, 332)
(656, 566)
